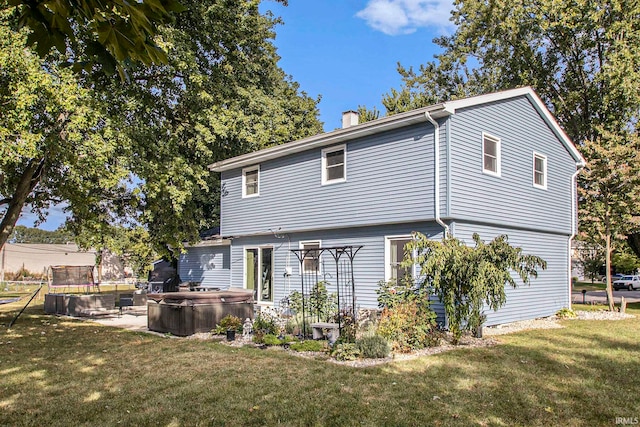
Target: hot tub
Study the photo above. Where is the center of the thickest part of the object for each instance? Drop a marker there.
(187, 313)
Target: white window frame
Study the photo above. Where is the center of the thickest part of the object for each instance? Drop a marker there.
(258, 300)
(498, 143)
(544, 171)
(301, 246)
(244, 181)
(387, 253)
(329, 150)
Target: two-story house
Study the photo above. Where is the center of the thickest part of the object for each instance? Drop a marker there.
(491, 164)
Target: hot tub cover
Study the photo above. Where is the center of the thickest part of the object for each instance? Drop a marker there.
(190, 298)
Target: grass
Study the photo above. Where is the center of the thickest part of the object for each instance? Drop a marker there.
(57, 371)
(595, 286)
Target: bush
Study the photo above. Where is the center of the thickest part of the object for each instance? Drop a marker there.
(346, 351)
(265, 324)
(319, 304)
(566, 313)
(308, 345)
(270, 339)
(373, 347)
(409, 326)
(229, 322)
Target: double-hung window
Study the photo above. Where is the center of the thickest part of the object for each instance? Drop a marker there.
(395, 251)
(251, 181)
(334, 164)
(311, 257)
(539, 171)
(490, 154)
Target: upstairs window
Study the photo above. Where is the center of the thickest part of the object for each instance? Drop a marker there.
(334, 161)
(251, 181)
(539, 171)
(490, 154)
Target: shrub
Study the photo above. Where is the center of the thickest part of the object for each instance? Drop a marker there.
(308, 345)
(373, 347)
(265, 324)
(229, 322)
(346, 351)
(409, 326)
(319, 303)
(271, 339)
(566, 313)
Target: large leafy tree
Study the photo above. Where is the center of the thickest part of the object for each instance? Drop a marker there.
(220, 94)
(106, 33)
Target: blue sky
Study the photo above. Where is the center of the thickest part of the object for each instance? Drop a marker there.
(347, 51)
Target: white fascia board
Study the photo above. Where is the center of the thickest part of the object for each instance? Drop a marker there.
(452, 106)
(203, 243)
(329, 138)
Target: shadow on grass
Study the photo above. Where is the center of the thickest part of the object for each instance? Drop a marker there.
(58, 371)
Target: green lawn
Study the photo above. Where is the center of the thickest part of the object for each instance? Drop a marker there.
(595, 286)
(56, 371)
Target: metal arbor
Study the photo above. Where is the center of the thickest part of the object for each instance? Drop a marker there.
(338, 280)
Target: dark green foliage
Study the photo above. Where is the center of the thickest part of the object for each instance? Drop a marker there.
(465, 278)
(308, 345)
(373, 347)
(22, 234)
(227, 323)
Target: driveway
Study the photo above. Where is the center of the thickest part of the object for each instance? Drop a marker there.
(601, 296)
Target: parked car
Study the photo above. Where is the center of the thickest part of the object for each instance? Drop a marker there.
(614, 277)
(627, 282)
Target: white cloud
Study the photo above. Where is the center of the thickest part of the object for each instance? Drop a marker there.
(395, 17)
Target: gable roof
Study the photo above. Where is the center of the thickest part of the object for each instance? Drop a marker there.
(408, 118)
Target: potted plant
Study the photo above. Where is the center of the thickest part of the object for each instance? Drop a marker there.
(229, 325)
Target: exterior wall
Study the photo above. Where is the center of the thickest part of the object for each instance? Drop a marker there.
(36, 258)
(368, 267)
(393, 171)
(206, 264)
(547, 293)
(510, 199)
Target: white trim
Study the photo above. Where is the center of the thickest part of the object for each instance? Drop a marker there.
(301, 246)
(544, 172)
(244, 181)
(387, 249)
(273, 276)
(498, 141)
(397, 121)
(325, 151)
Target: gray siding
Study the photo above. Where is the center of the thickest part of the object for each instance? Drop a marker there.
(511, 198)
(206, 264)
(547, 293)
(392, 171)
(368, 266)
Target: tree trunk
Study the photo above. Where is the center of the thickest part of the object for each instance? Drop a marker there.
(608, 272)
(28, 181)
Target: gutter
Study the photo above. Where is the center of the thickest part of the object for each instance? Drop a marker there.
(436, 180)
(574, 219)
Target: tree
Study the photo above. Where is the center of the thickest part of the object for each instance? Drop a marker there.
(466, 278)
(22, 234)
(111, 32)
(141, 158)
(608, 192)
(590, 257)
(56, 142)
(581, 57)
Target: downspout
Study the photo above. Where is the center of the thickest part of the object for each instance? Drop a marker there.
(574, 220)
(436, 180)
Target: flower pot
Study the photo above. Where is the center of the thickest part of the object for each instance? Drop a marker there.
(231, 334)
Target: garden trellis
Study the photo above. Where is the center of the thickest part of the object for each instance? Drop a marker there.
(337, 278)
